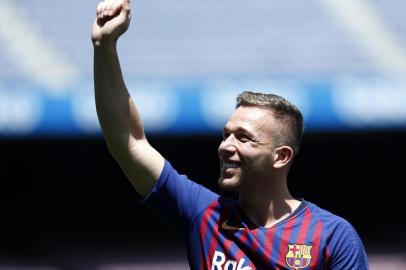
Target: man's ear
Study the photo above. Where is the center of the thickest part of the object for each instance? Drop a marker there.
(282, 156)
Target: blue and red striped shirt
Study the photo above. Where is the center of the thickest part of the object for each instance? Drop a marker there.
(220, 236)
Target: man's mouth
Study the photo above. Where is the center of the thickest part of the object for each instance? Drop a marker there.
(230, 165)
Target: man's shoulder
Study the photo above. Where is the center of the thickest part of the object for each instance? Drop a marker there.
(222, 203)
(326, 217)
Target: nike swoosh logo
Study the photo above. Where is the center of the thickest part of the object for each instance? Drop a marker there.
(225, 226)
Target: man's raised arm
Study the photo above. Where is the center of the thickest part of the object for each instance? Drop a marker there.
(121, 124)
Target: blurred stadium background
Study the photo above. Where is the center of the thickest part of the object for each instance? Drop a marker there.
(65, 203)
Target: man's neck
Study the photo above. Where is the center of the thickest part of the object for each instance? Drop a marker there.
(267, 207)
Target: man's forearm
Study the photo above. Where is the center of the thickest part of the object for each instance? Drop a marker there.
(118, 116)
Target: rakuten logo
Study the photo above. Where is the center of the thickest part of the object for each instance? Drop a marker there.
(219, 262)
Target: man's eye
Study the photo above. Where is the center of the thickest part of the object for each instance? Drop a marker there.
(244, 138)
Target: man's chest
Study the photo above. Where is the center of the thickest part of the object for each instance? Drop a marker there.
(226, 241)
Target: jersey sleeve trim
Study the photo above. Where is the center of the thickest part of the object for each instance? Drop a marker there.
(160, 182)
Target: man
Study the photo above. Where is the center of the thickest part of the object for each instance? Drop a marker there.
(266, 228)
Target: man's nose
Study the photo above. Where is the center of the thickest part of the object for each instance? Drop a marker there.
(228, 145)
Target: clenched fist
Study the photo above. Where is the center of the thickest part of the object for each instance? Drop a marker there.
(112, 20)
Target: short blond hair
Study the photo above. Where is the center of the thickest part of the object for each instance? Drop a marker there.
(283, 110)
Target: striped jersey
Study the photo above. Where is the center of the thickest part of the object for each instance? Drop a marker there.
(220, 237)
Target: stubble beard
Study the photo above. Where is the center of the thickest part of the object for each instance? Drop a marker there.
(230, 184)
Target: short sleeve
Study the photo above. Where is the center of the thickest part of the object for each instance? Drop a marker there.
(177, 199)
(346, 249)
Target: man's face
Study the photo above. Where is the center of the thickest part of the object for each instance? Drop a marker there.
(247, 148)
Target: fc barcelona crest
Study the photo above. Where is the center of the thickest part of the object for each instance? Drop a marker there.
(298, 256)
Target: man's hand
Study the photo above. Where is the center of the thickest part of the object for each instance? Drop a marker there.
(112, 20)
